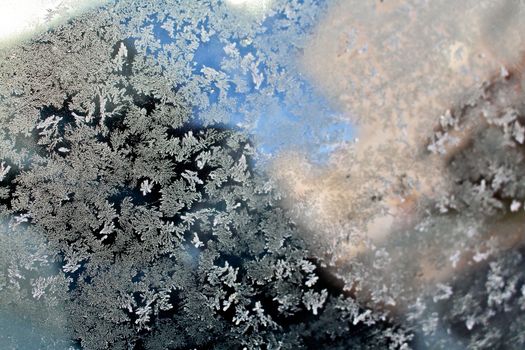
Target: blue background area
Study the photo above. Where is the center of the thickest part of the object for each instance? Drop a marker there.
(279, 128)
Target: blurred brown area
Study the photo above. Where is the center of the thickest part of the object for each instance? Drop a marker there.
(398, 69)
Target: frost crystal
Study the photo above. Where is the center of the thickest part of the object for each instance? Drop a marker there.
(4, 170)
(146, 187)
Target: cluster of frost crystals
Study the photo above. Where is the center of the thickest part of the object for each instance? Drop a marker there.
(31, 287)
(455, 273)
(149, 225)
(423, 216)
(131, 200)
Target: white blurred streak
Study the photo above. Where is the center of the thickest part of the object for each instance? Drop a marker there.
(20, 18)
(253, 7)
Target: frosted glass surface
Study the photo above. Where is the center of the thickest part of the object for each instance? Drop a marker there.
(262, 174)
